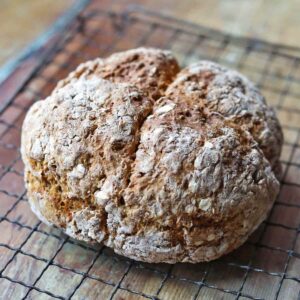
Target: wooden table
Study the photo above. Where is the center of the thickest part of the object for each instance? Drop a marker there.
(275, 21)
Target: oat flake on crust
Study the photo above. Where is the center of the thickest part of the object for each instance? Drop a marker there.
(178, 176)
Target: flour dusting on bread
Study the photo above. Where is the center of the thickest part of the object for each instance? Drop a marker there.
(158, 163)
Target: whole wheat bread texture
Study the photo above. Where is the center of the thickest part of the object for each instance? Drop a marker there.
(159, 164)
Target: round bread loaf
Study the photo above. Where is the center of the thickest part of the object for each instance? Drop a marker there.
(161, 166)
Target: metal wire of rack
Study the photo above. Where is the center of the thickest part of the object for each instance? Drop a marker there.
(38, 262)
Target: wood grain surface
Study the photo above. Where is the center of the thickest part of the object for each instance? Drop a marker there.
(273, 20)
(23, 21)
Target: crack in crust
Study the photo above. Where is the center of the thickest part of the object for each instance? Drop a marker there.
(160, 165)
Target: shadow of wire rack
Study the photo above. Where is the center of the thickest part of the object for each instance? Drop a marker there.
(38, 262)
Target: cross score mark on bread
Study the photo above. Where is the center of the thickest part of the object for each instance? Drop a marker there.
(158, 163)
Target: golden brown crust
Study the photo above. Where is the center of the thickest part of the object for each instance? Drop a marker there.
(229, 93)
(151, 70)
(179, 179)
(80, 139)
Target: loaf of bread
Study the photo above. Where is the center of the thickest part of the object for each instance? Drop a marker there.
(159, 164)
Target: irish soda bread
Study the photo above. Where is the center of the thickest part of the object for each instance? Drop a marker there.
(159, 164)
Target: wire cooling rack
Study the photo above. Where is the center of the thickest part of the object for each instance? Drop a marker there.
(38, 262)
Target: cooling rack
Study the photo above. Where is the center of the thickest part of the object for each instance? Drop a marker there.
(39, 262)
